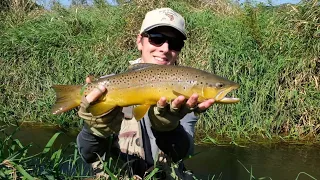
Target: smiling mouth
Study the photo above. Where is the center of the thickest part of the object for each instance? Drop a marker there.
(161, 59)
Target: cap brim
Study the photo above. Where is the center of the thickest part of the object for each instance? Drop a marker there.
(165, 24)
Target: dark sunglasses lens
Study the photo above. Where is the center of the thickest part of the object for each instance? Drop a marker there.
(157, 40)
(176, 45)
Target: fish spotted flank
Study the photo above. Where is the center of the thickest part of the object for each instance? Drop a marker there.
(144, 84)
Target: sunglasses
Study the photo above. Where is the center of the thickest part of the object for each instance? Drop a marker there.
(158, 39)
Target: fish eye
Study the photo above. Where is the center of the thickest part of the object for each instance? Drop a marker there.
(219, 85)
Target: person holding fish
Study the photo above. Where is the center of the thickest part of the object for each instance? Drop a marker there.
(161, 131)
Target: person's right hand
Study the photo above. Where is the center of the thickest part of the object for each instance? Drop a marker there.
(103, 125)
(96, 93)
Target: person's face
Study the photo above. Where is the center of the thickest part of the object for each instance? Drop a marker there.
(154, 51)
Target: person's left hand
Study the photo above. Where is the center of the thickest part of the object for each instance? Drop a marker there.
(166, 117)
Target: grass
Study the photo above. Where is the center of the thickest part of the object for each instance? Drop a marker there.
(273, 52)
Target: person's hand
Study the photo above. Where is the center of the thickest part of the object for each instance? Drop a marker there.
(96, 93)
(166, 117)
(102, 125)
(191, 103)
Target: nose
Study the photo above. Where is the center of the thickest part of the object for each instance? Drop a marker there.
(164, 47)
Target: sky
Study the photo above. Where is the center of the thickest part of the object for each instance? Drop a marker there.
(274, 2)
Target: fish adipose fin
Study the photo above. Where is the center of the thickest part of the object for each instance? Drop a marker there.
(67, 98)
(140, 111)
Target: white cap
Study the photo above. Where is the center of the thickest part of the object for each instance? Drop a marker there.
(163, 17)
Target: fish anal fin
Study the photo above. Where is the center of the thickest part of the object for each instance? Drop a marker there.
(140, 111)
(100, 108)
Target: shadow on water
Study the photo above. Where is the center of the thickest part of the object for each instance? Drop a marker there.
(277, 161)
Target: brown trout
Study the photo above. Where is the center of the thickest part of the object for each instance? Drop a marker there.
(143, 85)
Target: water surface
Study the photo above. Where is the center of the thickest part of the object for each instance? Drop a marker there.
(273, 161)
(277, 161)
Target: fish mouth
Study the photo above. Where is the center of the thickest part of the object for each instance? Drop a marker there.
(222, 98)
(228, 100)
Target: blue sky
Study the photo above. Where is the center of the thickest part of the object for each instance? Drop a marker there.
(275, 2)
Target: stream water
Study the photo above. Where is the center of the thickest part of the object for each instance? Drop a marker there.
(273, 161)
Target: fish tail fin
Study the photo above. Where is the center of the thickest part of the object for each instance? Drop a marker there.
(67, 98)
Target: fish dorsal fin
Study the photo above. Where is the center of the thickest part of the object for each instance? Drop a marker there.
(139, 66)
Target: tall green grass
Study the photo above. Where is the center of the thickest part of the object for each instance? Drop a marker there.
(276, 61)
(273, 52)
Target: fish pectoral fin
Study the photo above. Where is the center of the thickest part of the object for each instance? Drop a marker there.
(140, 111)
(200, 98)
(180, 94)
(100, 108)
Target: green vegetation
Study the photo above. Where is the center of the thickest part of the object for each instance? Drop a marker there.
(16, 161)
(273, 52)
